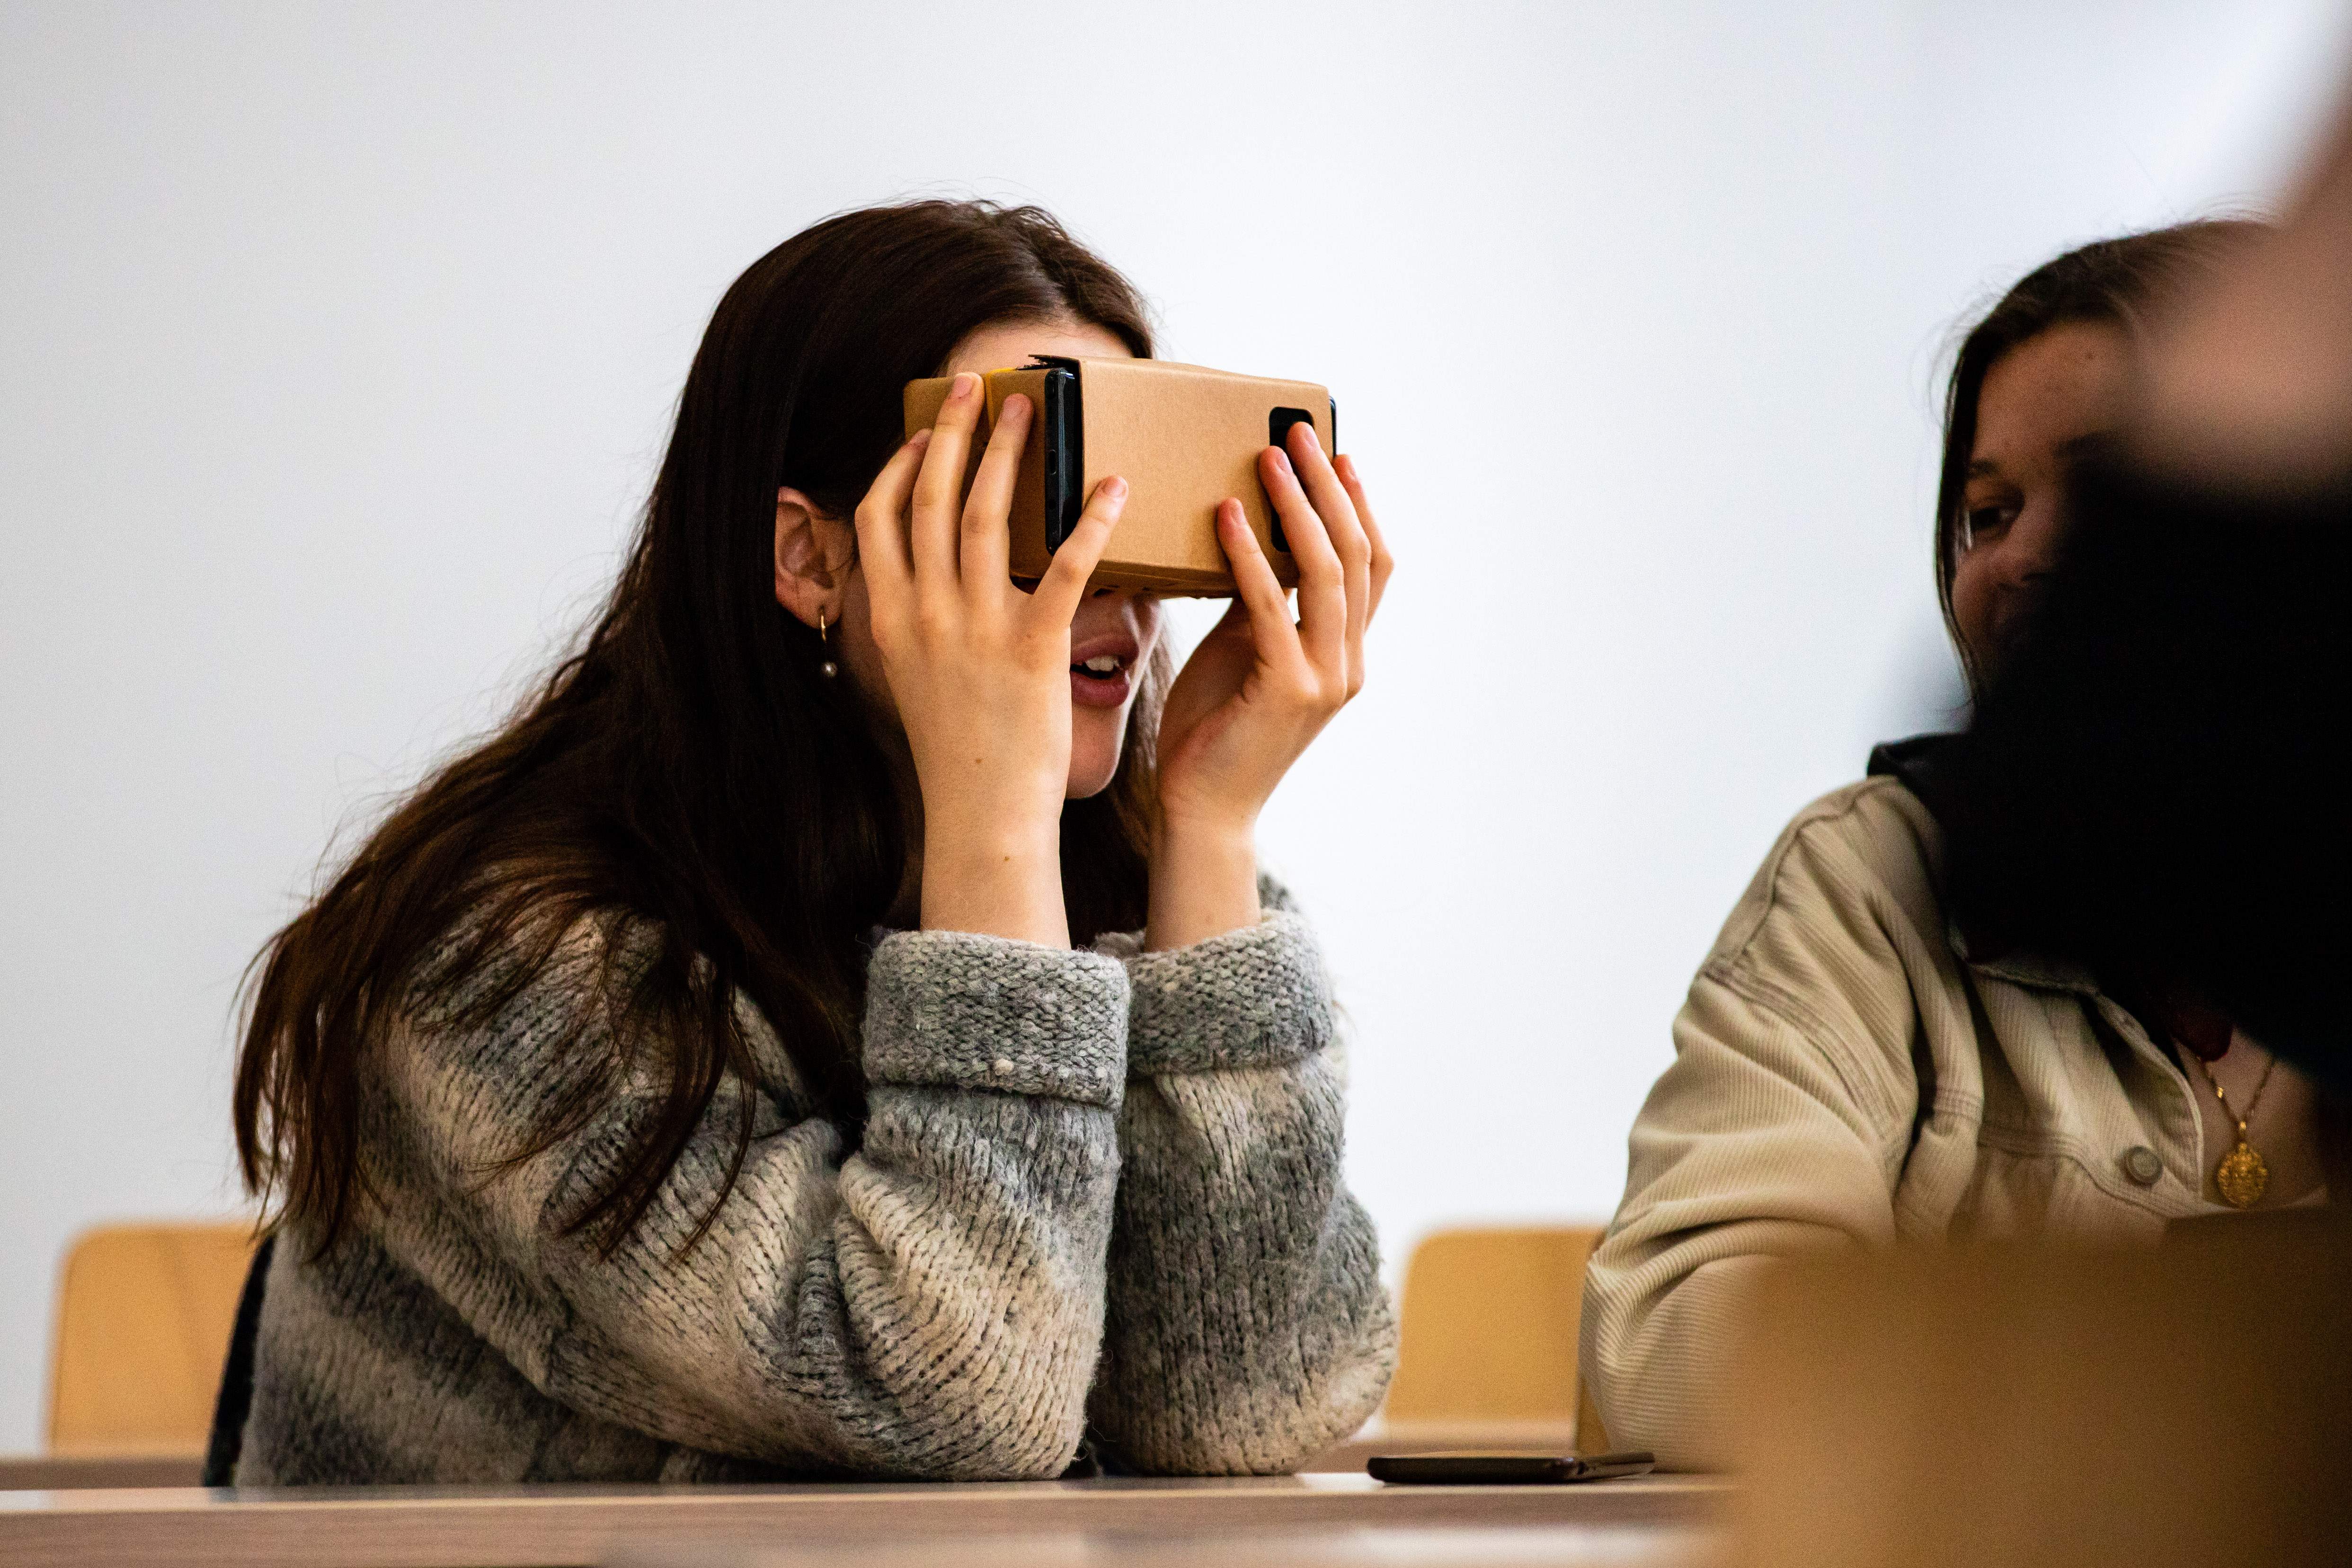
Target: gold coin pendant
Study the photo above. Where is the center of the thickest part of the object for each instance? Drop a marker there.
(2243, 1176)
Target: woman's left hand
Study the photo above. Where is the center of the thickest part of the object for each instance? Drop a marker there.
(1260, 687)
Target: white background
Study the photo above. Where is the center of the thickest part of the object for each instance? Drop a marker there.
(337, 346)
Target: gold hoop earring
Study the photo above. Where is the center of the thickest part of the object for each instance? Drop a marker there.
(828, 669)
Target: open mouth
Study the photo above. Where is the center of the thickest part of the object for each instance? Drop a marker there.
(1100, 674)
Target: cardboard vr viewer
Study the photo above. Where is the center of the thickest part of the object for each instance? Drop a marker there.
(1184, 437)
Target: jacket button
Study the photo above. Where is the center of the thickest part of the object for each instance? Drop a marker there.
(2140, 1164)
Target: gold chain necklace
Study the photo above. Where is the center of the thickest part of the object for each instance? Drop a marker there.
(2243, 1176)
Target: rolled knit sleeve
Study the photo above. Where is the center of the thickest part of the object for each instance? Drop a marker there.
(952, 1010)
(1247, 1324)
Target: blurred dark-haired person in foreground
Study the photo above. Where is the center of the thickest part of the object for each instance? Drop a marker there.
(2155, 778)
(1882, 1049)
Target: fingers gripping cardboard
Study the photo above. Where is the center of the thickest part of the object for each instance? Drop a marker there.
(1184, 437)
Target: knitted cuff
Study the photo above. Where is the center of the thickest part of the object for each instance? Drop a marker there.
(952, 1010)
(1251, 998)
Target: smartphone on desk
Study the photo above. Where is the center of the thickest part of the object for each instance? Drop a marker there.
(1505, 1470)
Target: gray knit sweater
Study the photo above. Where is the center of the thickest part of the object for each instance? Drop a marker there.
(1098, 1192)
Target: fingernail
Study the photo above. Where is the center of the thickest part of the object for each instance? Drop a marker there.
(1310, 435)
(1284, 458)
(1115, 487)
(966, 384)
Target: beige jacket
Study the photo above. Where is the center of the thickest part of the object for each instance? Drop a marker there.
(1844, 1072)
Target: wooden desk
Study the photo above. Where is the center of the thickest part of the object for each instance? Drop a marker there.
(417, 1527)
(1464, 1546)
(76, 1472)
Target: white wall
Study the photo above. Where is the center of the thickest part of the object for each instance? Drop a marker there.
(337, 345)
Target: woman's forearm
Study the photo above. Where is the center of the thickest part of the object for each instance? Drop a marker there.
(1247, 1324)
(1204, 885)
(991, 877)
(926, 1303)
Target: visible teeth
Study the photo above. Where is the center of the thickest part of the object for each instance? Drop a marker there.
(1103, 664)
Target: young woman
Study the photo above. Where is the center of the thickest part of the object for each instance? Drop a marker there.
(1854, 1065)
(815, 1036)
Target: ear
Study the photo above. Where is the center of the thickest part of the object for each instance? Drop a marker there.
(814, 555)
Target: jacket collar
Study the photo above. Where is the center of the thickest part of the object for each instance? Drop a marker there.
(2021, 965)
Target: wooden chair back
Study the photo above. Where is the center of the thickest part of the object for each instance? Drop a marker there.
(145, 1314)
(1487, 1329)
(2187, 1405)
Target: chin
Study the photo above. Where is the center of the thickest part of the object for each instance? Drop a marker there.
(1093, 757)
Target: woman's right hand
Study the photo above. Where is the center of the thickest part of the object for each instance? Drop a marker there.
(979, 668)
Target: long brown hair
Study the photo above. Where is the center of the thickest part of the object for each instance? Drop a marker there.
(2118, 281)
(687, 766)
